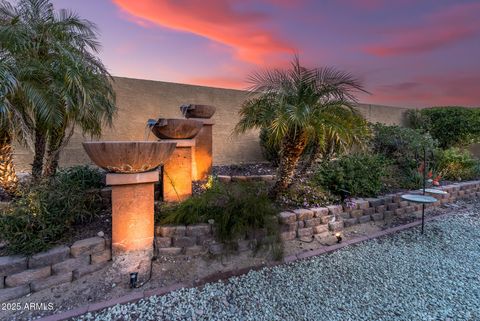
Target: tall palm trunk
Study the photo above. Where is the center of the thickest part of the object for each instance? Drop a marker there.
(55, 141)
(293, 146)
(40, 146)
(8, 177)
(314, 155)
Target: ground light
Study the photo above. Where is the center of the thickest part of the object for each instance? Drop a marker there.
(339, 237)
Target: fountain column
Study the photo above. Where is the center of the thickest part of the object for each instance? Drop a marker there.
(203, 160)
(177, 171)
(133, 222)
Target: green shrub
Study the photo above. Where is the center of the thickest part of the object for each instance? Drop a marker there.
(450, 126)
(404, 148)
(44, 212)
(359, 174)
(236, 209)
(456, 164)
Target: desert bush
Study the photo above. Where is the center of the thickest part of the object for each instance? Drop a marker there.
(44, 212)
(450, 126)
(235, 208)
(456, 164)
(404, 147)
(359, 174)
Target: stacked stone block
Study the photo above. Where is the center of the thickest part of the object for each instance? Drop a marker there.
(20, 275)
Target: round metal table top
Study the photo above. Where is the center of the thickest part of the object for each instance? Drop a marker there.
(433, 191)
(424, 199)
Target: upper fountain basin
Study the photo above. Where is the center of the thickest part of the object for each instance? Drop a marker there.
(176, 128)
(128, 156)
(197, 111)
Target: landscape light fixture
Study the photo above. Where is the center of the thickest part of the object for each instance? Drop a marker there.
(339, 237)
(133, 280)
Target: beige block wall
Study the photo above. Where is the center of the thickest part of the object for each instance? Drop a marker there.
(139, 100)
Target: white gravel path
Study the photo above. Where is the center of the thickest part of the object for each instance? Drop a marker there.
(406, 276)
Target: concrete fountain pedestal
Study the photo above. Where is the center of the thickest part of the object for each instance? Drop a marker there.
(132, 177)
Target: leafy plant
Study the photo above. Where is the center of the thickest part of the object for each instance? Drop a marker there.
(44, 212)
(450, 126)
(295, 106)
(359, 174)
(403, 147)
(270, 148)
(456, 164)
(235, 208)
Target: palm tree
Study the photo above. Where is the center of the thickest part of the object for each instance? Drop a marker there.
(293, 106)
(67, 85)
(341, 130)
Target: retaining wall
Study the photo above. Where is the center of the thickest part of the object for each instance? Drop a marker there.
(20, 275)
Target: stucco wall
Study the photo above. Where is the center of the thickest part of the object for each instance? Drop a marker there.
(139, 100)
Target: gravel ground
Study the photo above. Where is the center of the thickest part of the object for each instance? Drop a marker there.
(406, 276)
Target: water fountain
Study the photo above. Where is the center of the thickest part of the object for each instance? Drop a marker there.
(203, 141)
(177, 171)
(132, 174)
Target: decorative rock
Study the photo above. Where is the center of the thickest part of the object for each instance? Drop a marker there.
(52, 256)
(409, 209)
(169, 251)
(335, 226)
(377, 217)
(289, 227)
(313, 222)
(27, 276)
(180, 230)
(183, 241)
(399, 211)
(403, 204)
(326, 219)
(198, 229)
(375, 202)
(303, 214)
(243, 245)
(388, 215)
(335, 209)
(288, 236)
(380, 209)
(14, 293)
(101, 257)
(87, 246)
(345, 215)
(356, 213)
(216, 248)
(392, 206)
(287, 217)
(100, 234)
(12, 264)
(267, 178)
(364, 219)
(166, 230)
(39, 285)
(328, 241)
(239, 178)
(308, 231)
(70, 265)
(2, 282)
(205, 239)
(88, 269)
(300, 224)
(319, 211)
(362, 204)
(351, 221)
(163, 241)
(194, 250)
(320, 229)
(369, 211)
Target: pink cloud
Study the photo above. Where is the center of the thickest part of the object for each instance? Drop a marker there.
(430, 90)
(440, 29)
(216, 20)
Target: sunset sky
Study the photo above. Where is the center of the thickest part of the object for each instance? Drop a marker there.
(407, 52)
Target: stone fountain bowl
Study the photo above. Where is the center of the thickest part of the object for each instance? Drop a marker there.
(129, 157)
(176, 128)
(197, 111)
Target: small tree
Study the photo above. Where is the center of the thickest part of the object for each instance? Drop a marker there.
(293, 106)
